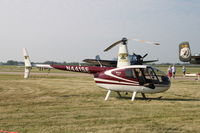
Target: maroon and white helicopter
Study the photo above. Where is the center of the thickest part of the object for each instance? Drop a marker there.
(123, 78)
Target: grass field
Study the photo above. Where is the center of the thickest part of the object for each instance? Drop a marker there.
(73, 103)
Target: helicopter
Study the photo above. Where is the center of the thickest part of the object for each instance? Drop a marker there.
(122, 78)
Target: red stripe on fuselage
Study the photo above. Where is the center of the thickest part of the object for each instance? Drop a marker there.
(103, 82)
(83, 69)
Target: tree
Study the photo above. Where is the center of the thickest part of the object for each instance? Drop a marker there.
(11, 62)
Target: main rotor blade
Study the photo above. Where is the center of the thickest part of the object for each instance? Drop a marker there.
(144, 41)
(111, 46)
(150, 61)
(145, 55)
(124, 40)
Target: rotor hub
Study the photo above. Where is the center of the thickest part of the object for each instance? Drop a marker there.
(124, 41)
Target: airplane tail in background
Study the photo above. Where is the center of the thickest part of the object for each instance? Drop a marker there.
(27, 64)
(184, 52)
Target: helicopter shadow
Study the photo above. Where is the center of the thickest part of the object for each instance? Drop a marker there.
(161, 99)
(145, 99)
(67, 96)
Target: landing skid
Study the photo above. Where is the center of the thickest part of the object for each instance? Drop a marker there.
(156, 98)
(133, 96)
(108, 94)
(109, 91)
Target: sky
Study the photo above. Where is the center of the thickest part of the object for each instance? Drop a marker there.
(73, 30)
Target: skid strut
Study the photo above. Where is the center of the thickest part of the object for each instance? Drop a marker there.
(107, 95)
(133, 96)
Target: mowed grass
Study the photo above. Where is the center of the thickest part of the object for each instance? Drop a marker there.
(75, 104)
(70, 104)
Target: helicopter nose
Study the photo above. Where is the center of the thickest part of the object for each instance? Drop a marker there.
(167, 83)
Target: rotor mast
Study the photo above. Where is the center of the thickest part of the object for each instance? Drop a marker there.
(123, 59)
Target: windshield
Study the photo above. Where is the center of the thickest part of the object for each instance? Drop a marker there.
(162, 77)
(150, 76)
(147, 75)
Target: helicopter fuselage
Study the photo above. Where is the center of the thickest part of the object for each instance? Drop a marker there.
(136, 78)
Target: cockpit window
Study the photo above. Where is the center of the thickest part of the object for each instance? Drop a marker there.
(130, 74)
(150, 75)
(147, 75)
(161, 75)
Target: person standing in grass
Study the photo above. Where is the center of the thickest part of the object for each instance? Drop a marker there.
(173, 71)
(169, 72)
(183, 70)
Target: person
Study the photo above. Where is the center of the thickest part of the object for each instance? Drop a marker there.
(183, 70)
(141, 78)
(169, 72)
(173, 71)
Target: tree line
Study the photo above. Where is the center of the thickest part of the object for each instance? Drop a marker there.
(20, 63)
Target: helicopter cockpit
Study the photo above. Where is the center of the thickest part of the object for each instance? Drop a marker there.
(148, 75)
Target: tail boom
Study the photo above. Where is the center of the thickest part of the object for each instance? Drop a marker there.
(82, 69)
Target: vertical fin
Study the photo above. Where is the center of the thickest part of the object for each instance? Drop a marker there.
(184, 52)
(27, 64)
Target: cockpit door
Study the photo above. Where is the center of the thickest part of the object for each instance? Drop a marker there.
(150, 76)
(146, 77)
